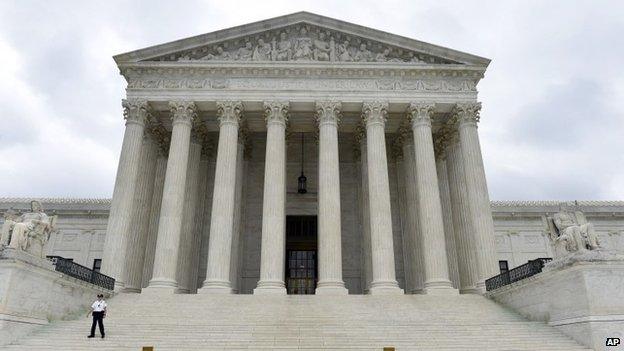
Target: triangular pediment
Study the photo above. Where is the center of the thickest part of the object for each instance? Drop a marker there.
(301, 37)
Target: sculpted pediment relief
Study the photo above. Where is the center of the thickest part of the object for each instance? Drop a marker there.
(304, 42)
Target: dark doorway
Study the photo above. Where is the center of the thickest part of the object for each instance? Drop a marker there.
(301, 270)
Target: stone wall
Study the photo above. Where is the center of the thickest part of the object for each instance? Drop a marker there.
(32, 293)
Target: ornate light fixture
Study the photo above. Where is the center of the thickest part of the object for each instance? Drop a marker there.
(302, 180)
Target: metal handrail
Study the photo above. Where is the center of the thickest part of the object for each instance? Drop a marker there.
(521, 272)
(83, 273)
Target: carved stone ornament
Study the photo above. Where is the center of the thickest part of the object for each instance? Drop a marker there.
(328, 112)
(304, 42)
(229, 111)
(136, 111)
(276, 111)
(28, 232)
(182, 111)
(420, 113)
(375, 112)
(466, 113)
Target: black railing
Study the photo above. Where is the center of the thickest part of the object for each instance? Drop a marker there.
(524, 271)
(77, 271)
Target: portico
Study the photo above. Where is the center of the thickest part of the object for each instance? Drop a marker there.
(212, 151)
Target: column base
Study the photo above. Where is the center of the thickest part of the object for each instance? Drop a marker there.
(216, 287)
(331, 288)
(182, 291)
(161, 286)
(119, 287)
(268, 287)
(131, 290)
(470, 290)
(385, 288)
(481, 287)
(439, 287)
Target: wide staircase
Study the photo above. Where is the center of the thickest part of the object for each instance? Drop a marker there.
(247, 322)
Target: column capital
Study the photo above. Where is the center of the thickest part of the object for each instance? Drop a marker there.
(420, 113)
(442, 139)
(328, 112)
(136, 111)
(276, 112)
(182, 111)
(374, 112)
(229, 112)
(466, 113)
(360, 132)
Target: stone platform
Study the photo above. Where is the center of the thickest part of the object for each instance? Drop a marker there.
(355, 322)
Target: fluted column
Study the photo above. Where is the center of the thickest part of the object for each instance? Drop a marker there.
(467, 116)
(171, 212)
(141, 209)
(238, 211)
(154, 217)
(329, 230)
(274, 201)
(188, 219)
(447, 215)
(217, 280)
(367, 265)
(429, 207)
(413, 224)
(119, 227)
(384, 276)
(462, 224)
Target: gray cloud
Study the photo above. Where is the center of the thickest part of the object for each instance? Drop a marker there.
(552, 121)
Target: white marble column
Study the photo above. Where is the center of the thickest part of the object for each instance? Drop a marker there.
(429, 207)
(384, 276)
(154, 216)
(467, 116)
(238, 211)
(447, 213)
(274, 201)
(188, 218)
(329, 227)
(462, 224)
(217, 280)
(367, 265)
(401, 188)
(202, 199)
(413, 226)
(119, 227)
(141, 209)
(171, 212)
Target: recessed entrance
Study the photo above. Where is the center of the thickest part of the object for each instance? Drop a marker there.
(301, 266)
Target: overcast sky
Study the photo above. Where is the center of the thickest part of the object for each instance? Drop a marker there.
(552, 124)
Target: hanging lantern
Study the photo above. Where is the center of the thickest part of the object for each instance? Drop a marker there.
(302, 180)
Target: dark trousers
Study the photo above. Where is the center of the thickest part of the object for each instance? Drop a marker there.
(98, 318)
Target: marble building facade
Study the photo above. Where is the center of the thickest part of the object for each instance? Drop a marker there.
(220, 126)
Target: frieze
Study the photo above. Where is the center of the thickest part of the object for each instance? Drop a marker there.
(301, 43)
(431, 85)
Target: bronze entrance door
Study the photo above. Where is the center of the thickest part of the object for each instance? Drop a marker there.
(301, 264)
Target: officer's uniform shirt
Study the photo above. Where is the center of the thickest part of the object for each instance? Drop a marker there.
(99, 306)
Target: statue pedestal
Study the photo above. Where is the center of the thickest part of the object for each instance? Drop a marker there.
(581, 294)
(32, 293)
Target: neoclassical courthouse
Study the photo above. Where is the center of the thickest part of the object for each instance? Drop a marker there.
(307, 155)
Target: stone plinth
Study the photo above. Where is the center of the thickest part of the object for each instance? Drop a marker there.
(32, 293)
(580, 295)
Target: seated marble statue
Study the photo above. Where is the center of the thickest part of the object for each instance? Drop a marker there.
(28, 232)
(572, 232)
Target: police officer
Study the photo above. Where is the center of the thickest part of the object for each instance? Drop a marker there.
(98, 311)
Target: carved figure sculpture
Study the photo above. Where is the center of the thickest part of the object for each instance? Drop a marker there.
(303, 46)
(221, 55)
(283, 49)
(363, 55)
(322, 49)
(342, 51)
(246, 52)
(262, 52)
(572, 232)
(382, 56)
(28, 232)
